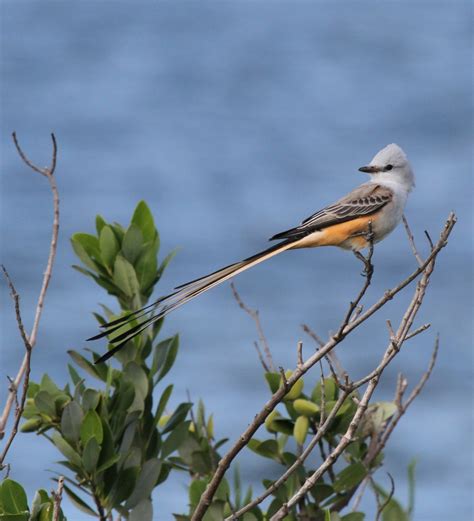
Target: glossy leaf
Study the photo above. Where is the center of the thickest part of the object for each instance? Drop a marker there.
(45, 403)
(178, 416)
(162, 403)
(84, 364)
(90, 455)
(145, 483)
(125, 277)
(301, 429)
(79, 502)
(109, 246)
(143, 219)
(164, 357)
(91, 428)
(354, 516)
(142, 512)
(12, 497)
(66, 449)
(132, 243)
(146, 268)
(273, 380)
(71, 421)
(350, 477)
(175, 439)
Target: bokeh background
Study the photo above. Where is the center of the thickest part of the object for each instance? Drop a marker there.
(233, 121)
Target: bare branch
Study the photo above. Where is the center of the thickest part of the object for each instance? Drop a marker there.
(299, 350)
(57, 498)
(255, 316)
(381, 507)
(411, 240)
(49, 174)
(313, 335)
(28, 347)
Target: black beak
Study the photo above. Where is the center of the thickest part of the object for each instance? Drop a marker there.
(371, 169)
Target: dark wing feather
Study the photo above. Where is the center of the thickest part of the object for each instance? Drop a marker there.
(364, 200)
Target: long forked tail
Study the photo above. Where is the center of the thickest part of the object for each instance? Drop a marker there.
(158, 309)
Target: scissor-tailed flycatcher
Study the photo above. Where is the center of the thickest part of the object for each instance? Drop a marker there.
(345, 223)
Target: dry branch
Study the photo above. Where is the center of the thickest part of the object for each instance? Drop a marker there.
(48, 172)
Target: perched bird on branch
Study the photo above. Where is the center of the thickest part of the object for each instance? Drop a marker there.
(376, 206)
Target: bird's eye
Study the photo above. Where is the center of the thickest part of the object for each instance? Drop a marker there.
(388, 167)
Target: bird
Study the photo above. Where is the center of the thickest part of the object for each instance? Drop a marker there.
(376, 205)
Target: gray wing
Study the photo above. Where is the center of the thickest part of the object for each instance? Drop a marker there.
(364, 200)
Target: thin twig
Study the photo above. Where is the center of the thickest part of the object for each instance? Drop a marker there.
(49, 173)
(313, 335)
(381, 507)
(411, 240)
(255, 316)
(299, 351)
(57, 498)
(28, 347)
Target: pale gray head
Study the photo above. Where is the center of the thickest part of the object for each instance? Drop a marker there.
(391, 164)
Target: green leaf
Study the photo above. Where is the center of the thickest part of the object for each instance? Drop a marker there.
(165, 263)
(33, 388)
(12, 497)
(123, 486)
(321, 491)
(411, 487)
(146, 268)
(41, 497)
(301, 429)
(108, 463)
(283, 425)
(145, 483)
(132, 243)
(350, 477)
(79, 503)
(90, 399)
(354, 516)
(45, 403)
(31, 425)
(125, 277)
(330, 391)
(142, 512)
(66, 449)
(178, 416)
(99, 223)
(196, 490)
(143, 218)
(267, 448)
(305, 407)
(91, 428)
(90, 455)
(86, 247)
(109, 246)
(175, 439)
(84, 364)
(162, 404)
(71, 421)
(273, 380)
(134, 374)
(164, 357)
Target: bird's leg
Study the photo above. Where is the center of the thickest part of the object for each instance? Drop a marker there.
(367, 261)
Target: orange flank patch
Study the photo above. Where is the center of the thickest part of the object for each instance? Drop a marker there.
(347, 235)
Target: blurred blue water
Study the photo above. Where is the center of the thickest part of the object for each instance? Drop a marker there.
(234, 121)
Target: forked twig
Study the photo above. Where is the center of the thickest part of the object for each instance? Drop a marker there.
(48, 172)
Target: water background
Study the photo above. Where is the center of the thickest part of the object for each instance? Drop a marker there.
(235, 120)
